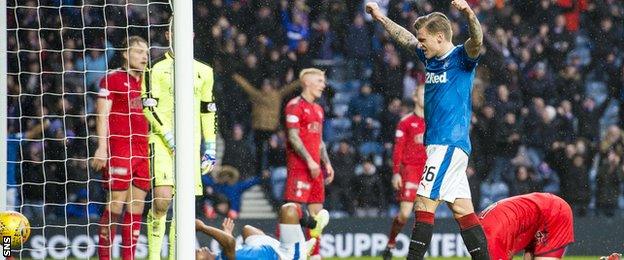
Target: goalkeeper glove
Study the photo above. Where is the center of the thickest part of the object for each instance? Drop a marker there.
(209, 159)
(170, 140)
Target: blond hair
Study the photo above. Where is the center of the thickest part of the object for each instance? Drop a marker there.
(435, 22)
(132, 40)
(310, 71)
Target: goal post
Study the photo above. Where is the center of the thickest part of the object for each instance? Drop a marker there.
(184, 207)
(3, 105)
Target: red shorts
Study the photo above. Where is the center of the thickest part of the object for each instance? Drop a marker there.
(557, 231)
(127, 165)
(411, 175)
(302, 188)
(550, 240)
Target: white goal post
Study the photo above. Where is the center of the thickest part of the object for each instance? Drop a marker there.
(3, 105)
(184, 208)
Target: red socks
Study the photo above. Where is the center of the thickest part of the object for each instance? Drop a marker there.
(130, 231)
(425, 217)
(108, 228)
(468, 221)
(397, 225)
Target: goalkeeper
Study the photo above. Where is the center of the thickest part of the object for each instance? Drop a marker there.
(159, 109)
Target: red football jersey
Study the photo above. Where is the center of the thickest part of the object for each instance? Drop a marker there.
(126, 117)
(539, 222)
(409, 148)
(308, 118)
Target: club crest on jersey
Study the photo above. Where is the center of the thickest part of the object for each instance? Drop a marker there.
(314, 127)
(541, 236)
(433, 78)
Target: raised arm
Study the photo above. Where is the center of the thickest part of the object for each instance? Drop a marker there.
(402, 36)
(227, 241)
(245, 85)
(474, 43)
(292, 86)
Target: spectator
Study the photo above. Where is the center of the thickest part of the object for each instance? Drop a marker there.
(565, 122)
(540, 135)
(277, 165)
(368, 190)
(608, 182)
(324, 42)
(365, 105)
(266, 24)
(569, 84)
(507, 138)
(539, 84)
(505, 103)
(561, 42)
(525, 181)
(238, 153)
(79, 207)
(613, 141)
(96, 64)
(578, 177)
(389, 119)
(265, 112)
(359, 50)
(226, 182)
(483, 131)
(339, 193)
(296, 29)
(589, 116)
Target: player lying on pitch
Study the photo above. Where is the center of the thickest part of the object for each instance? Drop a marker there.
(539, 223)
(258, 245)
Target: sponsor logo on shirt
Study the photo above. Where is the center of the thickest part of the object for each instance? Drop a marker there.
(118, 171)
(292, 119)
(433, 78)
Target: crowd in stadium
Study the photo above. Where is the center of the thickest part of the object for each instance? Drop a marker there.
(547, 97)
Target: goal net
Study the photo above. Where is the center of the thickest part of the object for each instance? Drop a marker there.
(58, 51)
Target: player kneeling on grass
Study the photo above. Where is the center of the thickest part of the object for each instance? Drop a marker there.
(291, 245)
(541, 224)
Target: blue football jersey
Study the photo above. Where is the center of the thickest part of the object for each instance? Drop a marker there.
(254, 253)
(448, 104)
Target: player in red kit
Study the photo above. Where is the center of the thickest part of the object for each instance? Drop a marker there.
(305, 152)
(122, 152)
(408, 159)
(541, 224)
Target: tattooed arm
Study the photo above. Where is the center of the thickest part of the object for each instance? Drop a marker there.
(402, 36)
(473, 44)
(328, 167)
(324, 154)
(297, 145)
